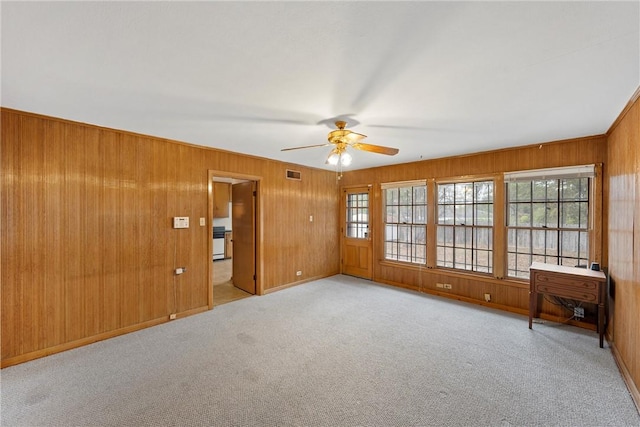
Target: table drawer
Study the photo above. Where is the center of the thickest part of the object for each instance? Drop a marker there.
(566, 287)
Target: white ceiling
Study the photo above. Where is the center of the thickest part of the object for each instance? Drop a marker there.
(433, 79)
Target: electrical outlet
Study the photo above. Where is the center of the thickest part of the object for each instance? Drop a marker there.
(578, 312)
(298, 273)
(439, 285)
(487, 297)
(447, 286)
(172, 316)
(180, 270)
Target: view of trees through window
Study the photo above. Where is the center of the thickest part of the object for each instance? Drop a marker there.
(547, 221)
(357, 224)
(405, 228)
(465, 226)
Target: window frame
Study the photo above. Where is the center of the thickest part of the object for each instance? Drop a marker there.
(592, 239)
(470, 246)
(413, 256)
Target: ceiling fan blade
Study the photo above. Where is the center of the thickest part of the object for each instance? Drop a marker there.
(376, 148)
(305, 146)
(354, 137)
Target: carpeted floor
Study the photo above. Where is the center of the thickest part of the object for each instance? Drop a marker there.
(333, 352)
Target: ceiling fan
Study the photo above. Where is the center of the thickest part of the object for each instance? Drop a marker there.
(342, 138)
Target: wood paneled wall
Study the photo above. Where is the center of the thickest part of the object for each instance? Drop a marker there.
(88, 248)
(506, 294)
(623, 177)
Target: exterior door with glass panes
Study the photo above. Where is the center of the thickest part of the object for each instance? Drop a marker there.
(357, 257)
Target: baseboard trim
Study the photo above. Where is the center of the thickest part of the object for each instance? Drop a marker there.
(299, 282)
(456, 297)
(626, 375)
(15, 360)
(522, 311)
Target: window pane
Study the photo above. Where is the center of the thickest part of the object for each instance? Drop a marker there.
(512, 215)
(552, 215)
(584, 215)
(420, 195)
(463, 193)
(405, 215)
(445, 214)
(406, 209)
(390, 233)
(524, 215)
(484, 192)
(484, 215)
(511, 240)
(462, 259)
(403, 252)
(470, 208)
(523, 262)
(570, 244)
(391, 196)
(522, 191)
(538, 242)
(538, 214)
(539, 191)
(445, 193)
(482, 238)
(392, 214)
(419, 214)
(463, 214)
(405, 196)
(419, 235)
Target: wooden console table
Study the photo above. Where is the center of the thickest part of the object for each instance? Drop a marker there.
(574, 283)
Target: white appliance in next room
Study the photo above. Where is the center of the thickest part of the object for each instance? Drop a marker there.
(218, 242)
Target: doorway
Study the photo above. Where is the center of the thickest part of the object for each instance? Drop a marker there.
(233, 208)
(357, 254)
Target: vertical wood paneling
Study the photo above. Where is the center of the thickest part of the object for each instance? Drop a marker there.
(108, 152)
(52, 233)
(91, 210)
(31, 196)
(88, 245)
(73, 227)
(158, 243)
(623, 177)
(11, 306)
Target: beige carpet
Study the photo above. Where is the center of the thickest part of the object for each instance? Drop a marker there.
(223, 289)
(334, 352)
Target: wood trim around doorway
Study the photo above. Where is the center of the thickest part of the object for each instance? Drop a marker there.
(224, 174)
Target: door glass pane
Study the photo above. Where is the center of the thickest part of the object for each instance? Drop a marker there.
(357, 225)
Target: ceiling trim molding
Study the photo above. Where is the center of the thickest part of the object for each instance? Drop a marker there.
(624, 111)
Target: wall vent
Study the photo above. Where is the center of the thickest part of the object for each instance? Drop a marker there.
(294, 175)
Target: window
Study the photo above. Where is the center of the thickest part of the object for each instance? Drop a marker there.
(548, 219)
(465, 226)
(405, 222)
(357, 215)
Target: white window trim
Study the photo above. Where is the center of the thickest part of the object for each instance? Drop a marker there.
(584, 171)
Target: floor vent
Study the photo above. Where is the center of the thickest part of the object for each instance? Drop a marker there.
(294, 175)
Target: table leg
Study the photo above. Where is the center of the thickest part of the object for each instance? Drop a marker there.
(533, 297)
(601, 322)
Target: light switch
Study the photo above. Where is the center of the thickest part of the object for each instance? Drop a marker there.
(203, 222)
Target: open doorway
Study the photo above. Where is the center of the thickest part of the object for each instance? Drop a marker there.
(233, 214)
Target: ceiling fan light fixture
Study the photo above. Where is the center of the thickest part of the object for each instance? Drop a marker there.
(333, 158)
(345, 159)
